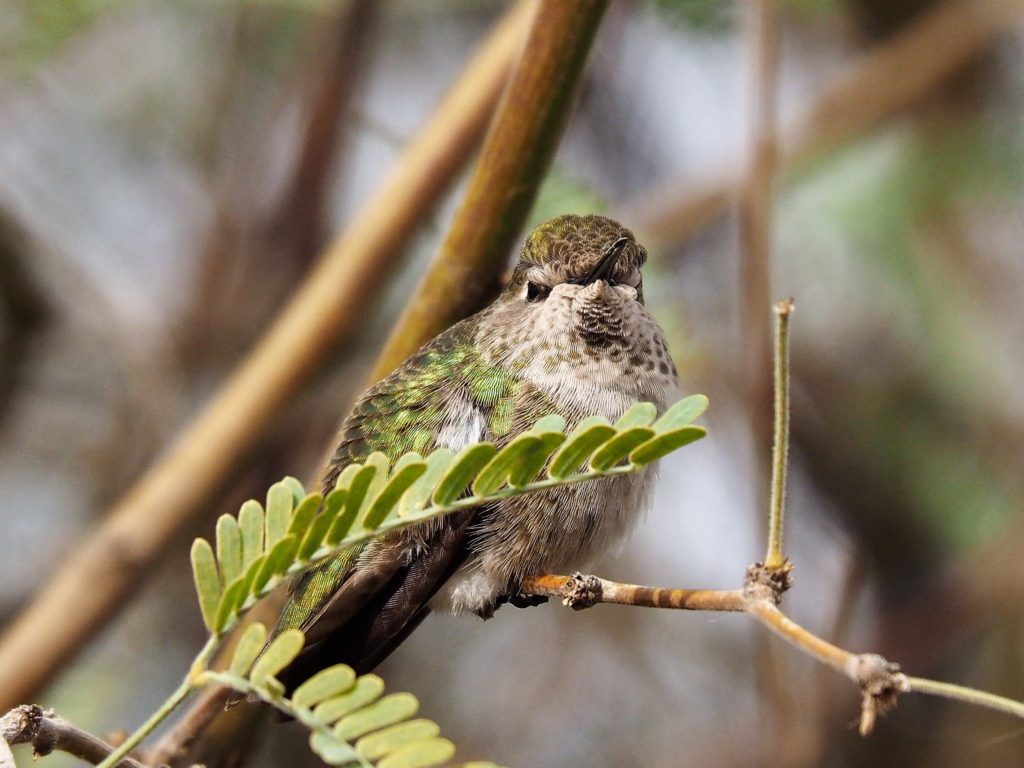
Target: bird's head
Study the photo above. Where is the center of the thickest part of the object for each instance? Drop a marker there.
(576, 294)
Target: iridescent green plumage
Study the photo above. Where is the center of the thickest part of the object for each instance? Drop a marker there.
(569, 334)
(439, 391)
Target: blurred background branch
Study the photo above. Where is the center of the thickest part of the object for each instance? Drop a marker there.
(534, 110)
(889, 77)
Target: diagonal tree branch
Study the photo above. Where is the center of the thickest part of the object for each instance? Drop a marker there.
(520, 143)
(97, 577)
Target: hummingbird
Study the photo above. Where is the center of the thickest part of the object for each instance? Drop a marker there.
(568, 334)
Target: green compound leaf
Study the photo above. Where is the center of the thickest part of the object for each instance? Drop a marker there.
(275, 563)
(367, 690)
(421, 754)
(250, 520)
(387, 711)
(618, 448)
(588, 436)
(299, 492)
(249, 646)
(207, 581)
(496, 472)
(279, 512)
(682, 413)
(416, 498)
(331, 749)
(402, 478)
(305, 512)
(637, 415)
(317, 533)
(326, 683)
(380, 478)
(229, 548)
(260, 547)
(279, 654)
(378, 744)
(663, 444)
(357, 490)
(552, 423)
(532, 461)
(464, 467)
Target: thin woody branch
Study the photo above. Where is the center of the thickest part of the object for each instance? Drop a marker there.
(881, 681)
(774, 557)
(48, 732)
(579, 591)
(520, 144)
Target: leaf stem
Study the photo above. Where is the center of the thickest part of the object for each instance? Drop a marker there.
(968, 695)
(169, 705)
(880, 681)
(397, 523)
(303, 715)
(780, 448)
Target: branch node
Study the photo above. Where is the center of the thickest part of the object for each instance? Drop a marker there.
(768, 583)
(581, 591)
(23, 725)
(881, 683)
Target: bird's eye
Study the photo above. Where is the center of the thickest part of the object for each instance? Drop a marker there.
(536, 291)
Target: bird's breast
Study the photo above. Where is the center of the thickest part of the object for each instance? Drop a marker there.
(560, 528)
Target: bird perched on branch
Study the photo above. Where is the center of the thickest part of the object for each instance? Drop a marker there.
(569, 334)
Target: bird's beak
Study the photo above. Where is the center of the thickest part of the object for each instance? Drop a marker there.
(603, 269)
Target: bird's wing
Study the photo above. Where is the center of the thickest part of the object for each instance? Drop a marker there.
(356, 607)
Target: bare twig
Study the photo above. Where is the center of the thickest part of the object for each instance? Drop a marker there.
(107, 566)
(516, 154)
(47, 732)
(880, 681)
(966, 695)
(774, 557)
(876, 86)
(579, 591)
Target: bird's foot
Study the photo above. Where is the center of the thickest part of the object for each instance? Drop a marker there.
(518, 599)
(521, 600)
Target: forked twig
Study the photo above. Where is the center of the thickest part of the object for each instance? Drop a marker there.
(880, 681)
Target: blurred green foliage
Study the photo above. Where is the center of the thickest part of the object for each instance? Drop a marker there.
(714, 17)
(562, 193)
(36, 28)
